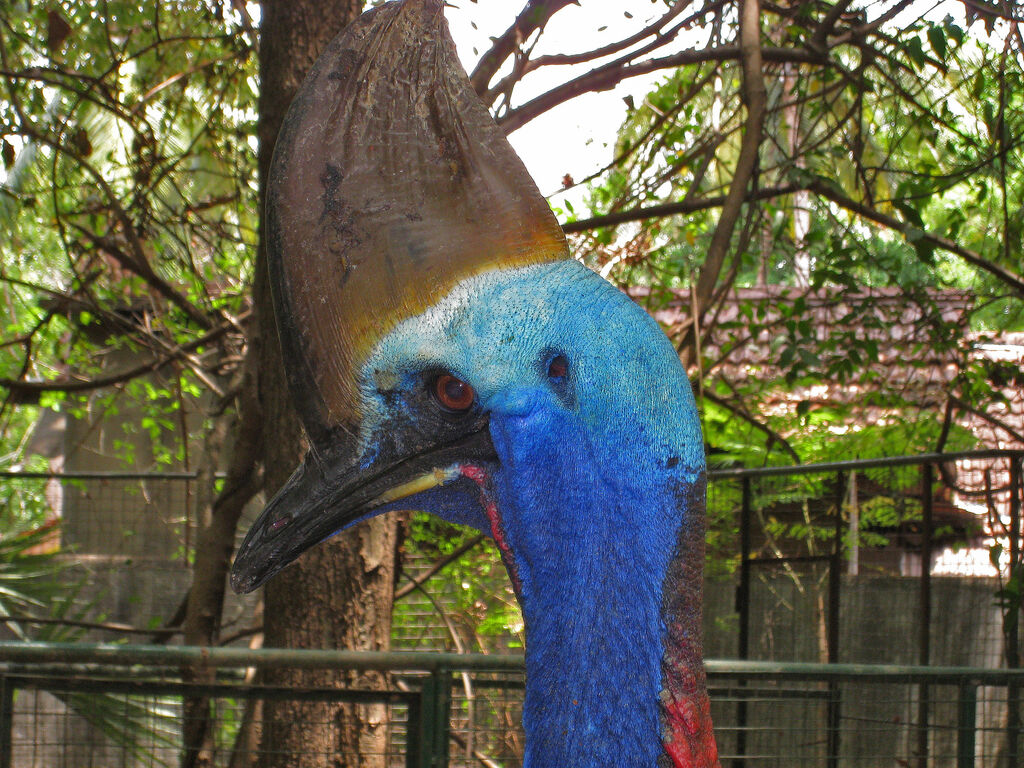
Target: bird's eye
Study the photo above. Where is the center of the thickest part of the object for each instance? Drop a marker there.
(558, 368)
(453, 394)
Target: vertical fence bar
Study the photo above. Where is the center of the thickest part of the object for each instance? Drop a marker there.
(414, 757)
(967, 711)
(436, 706)
(836, 571)
(834, 595)
(1013, 724)
(924, 637)
(6, 721)
(743, 609)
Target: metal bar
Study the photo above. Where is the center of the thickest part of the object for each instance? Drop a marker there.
(720, 669)
(435, 725)
(925, 612)
(414, 733)
(99, 475)
(790, 559)
(70, 657)
(743, 591)
(967, 710)
(1013, 634)
(743, 608)
(6, 720)
(1013, 720)
(143, 687)
(859, 464)
(172, 656)
(835, 575)
(887, 673)
(925, 592)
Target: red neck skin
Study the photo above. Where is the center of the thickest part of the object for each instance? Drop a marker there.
(687, 733)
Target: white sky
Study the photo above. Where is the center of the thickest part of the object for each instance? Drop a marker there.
(578, 137)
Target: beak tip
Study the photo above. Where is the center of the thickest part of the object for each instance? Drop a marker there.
(248, 574)
(241, 583)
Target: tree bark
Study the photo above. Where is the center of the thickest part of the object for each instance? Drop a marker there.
(755, 97)
(215, 541)
(338, 595)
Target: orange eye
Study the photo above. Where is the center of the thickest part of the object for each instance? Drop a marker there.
(452, 393)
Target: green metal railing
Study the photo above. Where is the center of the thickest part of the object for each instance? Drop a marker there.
(423, 687)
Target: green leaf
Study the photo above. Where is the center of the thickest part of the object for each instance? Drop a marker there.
(915, 50)
(937, 40)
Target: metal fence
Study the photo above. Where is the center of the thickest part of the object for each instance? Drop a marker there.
(830, 554)
(804, 559)
(832, 563)
(121, 707)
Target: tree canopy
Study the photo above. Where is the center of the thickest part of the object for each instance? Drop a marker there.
(838, 148)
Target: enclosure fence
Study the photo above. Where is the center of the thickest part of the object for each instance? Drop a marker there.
(827, 563)
(121, 707)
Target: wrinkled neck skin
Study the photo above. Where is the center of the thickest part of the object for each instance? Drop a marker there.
(608, 565)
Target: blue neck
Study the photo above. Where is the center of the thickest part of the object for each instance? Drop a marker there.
(596, 541)
(594, 672)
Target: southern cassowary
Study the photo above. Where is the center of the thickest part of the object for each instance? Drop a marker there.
(446, 354)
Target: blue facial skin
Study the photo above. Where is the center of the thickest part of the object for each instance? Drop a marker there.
(587, 486)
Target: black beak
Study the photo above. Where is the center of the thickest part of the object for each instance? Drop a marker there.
(323, 496)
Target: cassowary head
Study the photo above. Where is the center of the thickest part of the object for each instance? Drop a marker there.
(445, 354)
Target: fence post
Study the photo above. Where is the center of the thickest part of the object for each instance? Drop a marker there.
(743, 609)
(835, 575)
(1012, 631)
(435, 698)
(967, 710)
(925, 615)
(6, 721)
(414, 757)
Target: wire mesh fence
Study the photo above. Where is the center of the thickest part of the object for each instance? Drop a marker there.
(838, 563)
(127, 707)
(901, 560)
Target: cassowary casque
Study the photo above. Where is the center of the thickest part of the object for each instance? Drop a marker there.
(446, 354)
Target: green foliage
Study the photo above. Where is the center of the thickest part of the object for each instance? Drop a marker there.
(129, 205)
(479, 604)
(925, 129)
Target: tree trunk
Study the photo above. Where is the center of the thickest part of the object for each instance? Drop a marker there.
(338, 595)
(215, 540)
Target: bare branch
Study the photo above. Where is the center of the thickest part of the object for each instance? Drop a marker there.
(533, 17)
(619, 45)
(20, 386)
(773, 436)
(422, 579)
(756, 97)
(607, 76)
(671, 209)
